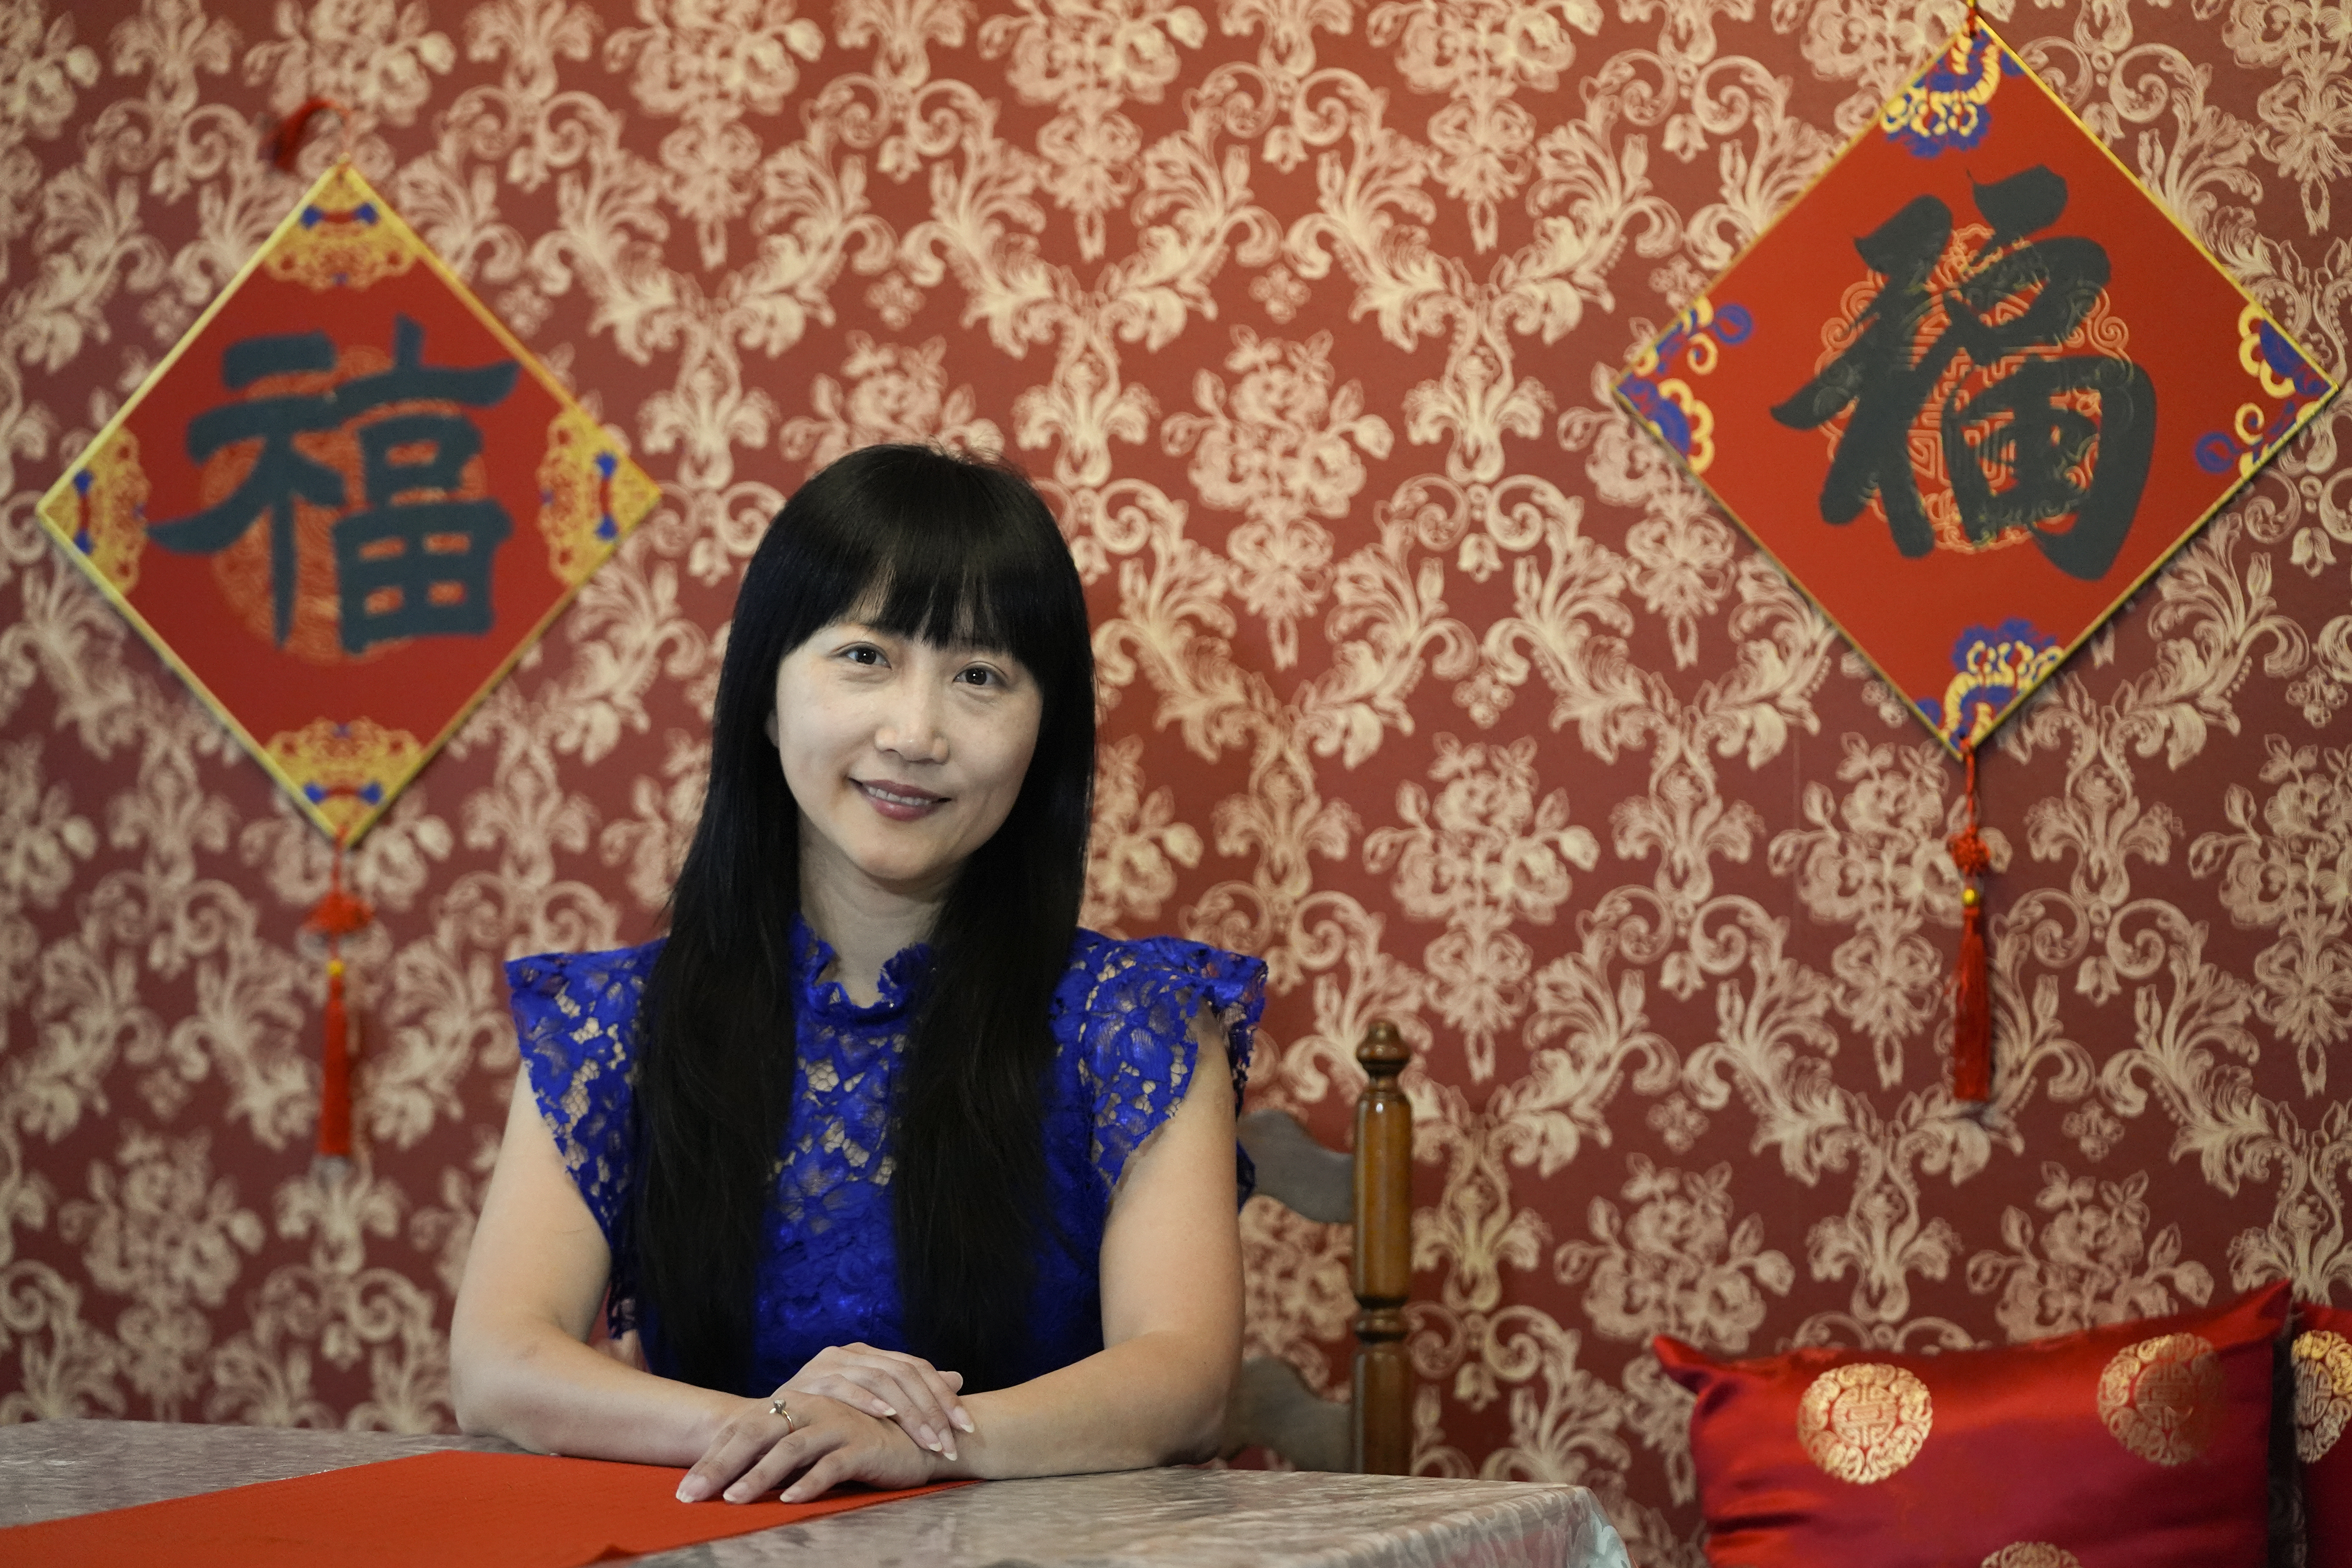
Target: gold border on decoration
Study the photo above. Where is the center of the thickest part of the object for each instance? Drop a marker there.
(1873, 127)
(59, 494)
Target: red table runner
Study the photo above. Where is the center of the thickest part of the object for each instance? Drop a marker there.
(451, 1508)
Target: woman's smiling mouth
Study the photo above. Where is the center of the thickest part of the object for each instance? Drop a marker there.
(901, 802)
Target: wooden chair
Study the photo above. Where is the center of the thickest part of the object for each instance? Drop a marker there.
(1373, 1190)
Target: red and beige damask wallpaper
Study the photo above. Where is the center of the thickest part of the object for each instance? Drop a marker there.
(1424, 674)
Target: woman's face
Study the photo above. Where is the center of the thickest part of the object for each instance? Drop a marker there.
(904, 756)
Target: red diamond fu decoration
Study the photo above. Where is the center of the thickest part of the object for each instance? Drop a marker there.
(345, 504)
(1973, 388)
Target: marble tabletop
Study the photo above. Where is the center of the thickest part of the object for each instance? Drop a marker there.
(1138, 1519)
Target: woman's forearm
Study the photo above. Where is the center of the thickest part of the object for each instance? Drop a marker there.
(535, 1279)
(1171, 1294)
(1155, 1399)
(539, 1388)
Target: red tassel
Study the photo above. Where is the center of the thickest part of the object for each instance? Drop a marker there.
(335, 917)
(1972, 1007)
(1971, 978)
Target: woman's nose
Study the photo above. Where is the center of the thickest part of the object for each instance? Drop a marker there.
(910, 724)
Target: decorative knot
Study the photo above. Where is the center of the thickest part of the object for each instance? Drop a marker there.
(340, 913)
(1969, 854)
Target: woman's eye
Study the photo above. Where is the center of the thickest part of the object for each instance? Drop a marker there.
(862, 653)
(981, 675)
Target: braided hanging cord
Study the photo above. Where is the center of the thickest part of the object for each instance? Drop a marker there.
(1972, 982)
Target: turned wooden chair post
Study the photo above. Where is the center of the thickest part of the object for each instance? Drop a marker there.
(1272, 1406)
(1382, 1267)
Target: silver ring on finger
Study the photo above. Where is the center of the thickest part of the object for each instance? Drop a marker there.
(776, 1407)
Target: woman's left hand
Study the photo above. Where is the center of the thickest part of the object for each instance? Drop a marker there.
(826, 1441)
(904, 1388)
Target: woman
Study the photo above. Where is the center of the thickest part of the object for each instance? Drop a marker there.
(885, 1169)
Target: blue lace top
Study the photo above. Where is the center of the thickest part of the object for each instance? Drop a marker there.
(829, 1274)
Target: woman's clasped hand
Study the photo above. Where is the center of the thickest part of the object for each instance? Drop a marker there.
(853, 1412)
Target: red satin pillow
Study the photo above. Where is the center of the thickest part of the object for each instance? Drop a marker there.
(2142, 1445)
(2322, 1355)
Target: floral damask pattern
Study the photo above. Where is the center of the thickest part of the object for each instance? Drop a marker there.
(1423, 675)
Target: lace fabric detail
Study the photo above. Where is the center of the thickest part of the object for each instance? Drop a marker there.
(849, 1058)
(575, 1020)
(832, 1267)
(1124, 1058)
(819, 997)
(1134, 1002)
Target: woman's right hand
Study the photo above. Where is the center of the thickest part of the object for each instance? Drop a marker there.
(893, 1385)
(814, 1444)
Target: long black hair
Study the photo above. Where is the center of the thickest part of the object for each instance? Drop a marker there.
(945, 548)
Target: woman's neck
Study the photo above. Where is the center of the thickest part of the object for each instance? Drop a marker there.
(867, 927)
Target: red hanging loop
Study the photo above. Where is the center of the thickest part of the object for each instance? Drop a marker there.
(1968, 846)
(1971, 977)
(335, 917)
(288, 140)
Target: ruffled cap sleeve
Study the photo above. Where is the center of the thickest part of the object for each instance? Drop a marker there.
(576, 1022)
(1137, 1055)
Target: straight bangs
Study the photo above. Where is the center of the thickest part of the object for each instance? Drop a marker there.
(952, 561)
(955, 551)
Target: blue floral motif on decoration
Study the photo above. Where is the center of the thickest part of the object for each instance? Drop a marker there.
(2282, 372)
(1695, 343)
(1991, 670)
(1946, 107)
(1654, 406)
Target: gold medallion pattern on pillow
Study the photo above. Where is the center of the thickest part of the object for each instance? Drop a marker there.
(1863, 1423)
(2033, 1555)
(2323, 1393)
(2162, 1397)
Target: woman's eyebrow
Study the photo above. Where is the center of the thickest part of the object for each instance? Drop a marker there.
(982, 650)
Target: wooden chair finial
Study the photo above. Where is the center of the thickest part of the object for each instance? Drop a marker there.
(1383, 1052)
(1383, 1259)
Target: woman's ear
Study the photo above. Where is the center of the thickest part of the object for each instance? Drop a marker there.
(770, 727)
